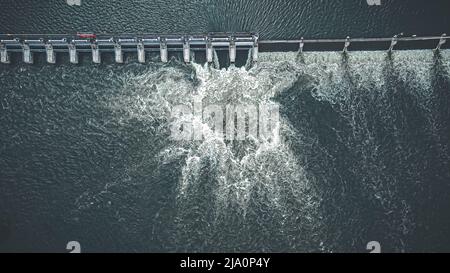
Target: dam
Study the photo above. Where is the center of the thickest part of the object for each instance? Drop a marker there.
(206, 44)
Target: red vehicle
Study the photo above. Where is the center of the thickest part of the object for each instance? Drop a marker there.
(86, 35)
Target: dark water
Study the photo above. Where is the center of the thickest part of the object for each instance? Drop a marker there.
(272, 19)
(364, 155)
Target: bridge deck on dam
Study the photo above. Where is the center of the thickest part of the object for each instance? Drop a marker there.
(50, 44)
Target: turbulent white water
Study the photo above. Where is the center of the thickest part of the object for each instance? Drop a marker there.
(299, 191)
(240, 167)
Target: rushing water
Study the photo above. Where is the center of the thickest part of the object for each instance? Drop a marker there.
(363, 155)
